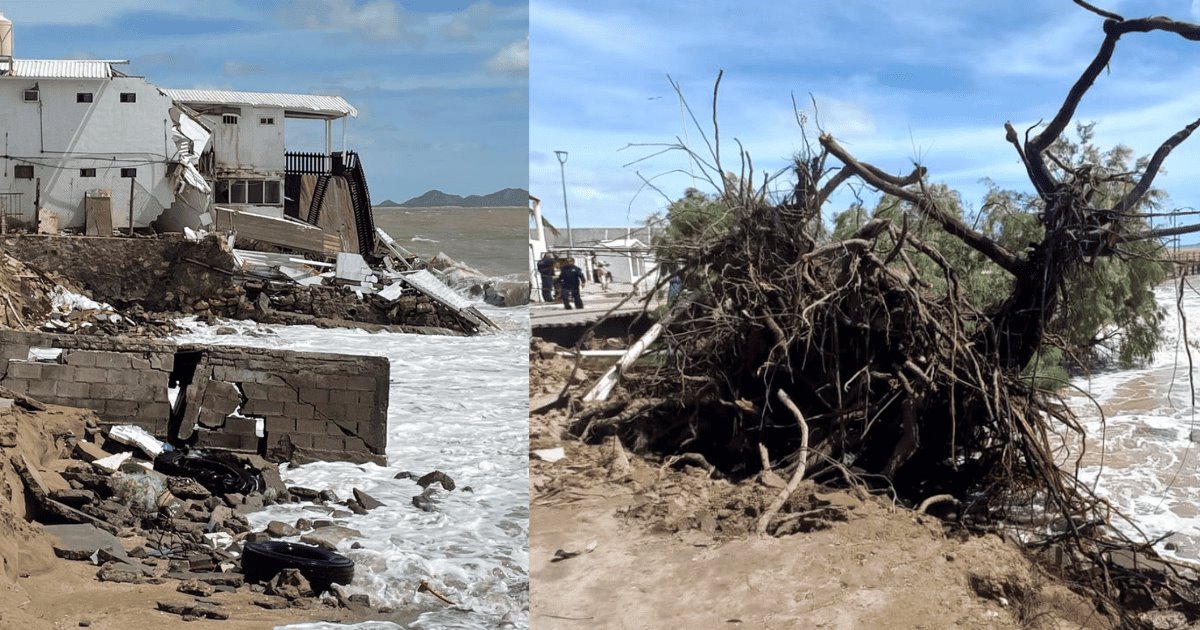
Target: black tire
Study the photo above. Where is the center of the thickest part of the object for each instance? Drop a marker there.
(321, 567)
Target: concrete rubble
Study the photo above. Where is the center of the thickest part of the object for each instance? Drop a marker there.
(141, 523)
(207, 276)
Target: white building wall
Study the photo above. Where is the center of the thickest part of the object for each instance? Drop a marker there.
(59, 136)
(249, 149)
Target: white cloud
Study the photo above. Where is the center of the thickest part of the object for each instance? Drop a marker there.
(378, 20)
(470, 22)
(511, 60)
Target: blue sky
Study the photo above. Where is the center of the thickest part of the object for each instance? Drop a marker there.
(441, 86)
(927, 80)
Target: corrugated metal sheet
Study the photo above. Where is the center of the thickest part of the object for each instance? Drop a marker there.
(63, 68)
(312, 103)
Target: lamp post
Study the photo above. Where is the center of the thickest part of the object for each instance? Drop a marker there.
(562, 169)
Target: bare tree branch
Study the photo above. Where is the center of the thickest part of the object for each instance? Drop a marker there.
(896, 186)
(1135, 195)
(1098, 11)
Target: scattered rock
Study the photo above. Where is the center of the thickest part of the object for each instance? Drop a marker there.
(187, 488)
(79, 541)
(329, 537)
(404, 474)
(279, 529)
(117, 571)
(436, 476)
(195, 587)
(424, 502)
(215, 579)
(369, 502)
(304, 494)
(190, 609)
(226, 330)
(290, 584)
(271, 602)
(329, 496)
(303, 524)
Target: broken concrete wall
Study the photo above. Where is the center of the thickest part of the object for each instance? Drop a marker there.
(310, 406)
(293, 406)
(123, 381)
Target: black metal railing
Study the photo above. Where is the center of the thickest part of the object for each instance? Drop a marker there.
(300, 163)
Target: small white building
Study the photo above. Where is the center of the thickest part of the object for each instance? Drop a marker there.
(77, 126)
(172, 158)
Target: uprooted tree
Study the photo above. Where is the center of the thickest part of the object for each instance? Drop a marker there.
(835, 359)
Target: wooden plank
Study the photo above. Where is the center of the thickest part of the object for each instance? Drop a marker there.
(282, 232)
(97, 212)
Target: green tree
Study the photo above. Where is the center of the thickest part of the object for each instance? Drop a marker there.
(1108, 310)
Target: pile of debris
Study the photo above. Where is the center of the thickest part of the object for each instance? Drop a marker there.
(145, 513)
(205, 275)
(31, 299)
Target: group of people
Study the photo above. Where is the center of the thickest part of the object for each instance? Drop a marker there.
(570, 278)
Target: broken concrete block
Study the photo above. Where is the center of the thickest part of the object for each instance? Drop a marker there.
(367, 501)
(77, 541)
(329, 537)
(117, 571)
(279, 529)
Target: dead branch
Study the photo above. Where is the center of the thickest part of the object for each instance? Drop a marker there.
(798, 475)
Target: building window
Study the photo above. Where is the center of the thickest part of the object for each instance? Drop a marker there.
(266, 121)
(229, 119)
(83, 97)
(87, 172)
(129, 172)
(249, 192)
(31, 96)
(128, 97)
(23, 171)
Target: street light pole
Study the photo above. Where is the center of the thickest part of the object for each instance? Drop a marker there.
(562, 161)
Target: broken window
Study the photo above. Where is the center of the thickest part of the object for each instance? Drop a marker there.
(249, 192)
(23, 171)
(83, 97)
(266, 121)
(129, 172)
(229, 119)
(87, 172)
(128, 97)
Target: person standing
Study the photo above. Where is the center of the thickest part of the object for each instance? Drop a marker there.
(572, 279)
(545, 268)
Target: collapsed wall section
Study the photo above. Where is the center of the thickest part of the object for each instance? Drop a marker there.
(303, 406)
(287, 406)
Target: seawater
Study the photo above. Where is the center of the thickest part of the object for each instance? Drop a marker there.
(459, 405)
(1139, 451)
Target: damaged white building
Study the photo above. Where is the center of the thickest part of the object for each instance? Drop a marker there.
(90, 149)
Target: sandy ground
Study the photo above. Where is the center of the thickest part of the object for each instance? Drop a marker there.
(672, 548)
(39, 591)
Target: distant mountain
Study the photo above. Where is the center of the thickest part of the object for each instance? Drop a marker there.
(387, 203)
(509, 197)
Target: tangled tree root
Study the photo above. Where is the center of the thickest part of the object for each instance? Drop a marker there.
(839, 363)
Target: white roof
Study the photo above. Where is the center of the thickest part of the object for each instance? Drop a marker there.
(326, 106)
(63, 68)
